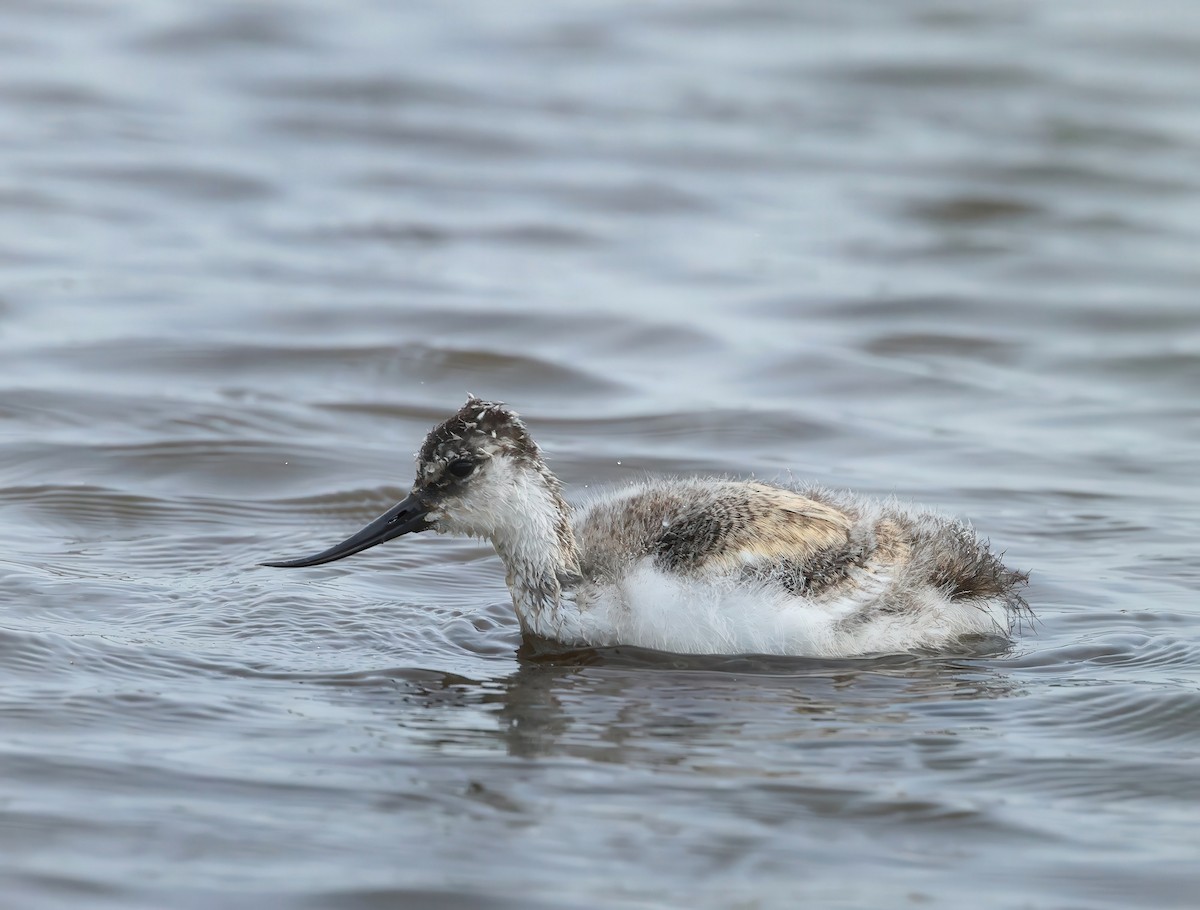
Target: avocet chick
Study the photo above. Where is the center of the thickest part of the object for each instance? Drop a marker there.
(700, 565)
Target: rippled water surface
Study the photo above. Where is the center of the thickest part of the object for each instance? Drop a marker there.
(249, 252)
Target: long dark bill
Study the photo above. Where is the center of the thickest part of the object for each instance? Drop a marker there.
(405, 518)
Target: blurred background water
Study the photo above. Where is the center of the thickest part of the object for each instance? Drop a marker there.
(249, 252)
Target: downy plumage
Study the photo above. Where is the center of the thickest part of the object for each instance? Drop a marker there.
(699, 565)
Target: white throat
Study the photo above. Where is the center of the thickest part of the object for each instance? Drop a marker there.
(521, 512)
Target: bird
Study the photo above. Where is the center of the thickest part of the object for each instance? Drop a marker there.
(700, 565)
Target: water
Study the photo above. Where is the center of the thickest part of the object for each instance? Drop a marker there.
(251, 251)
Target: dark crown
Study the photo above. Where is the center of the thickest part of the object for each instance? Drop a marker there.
(478, 425)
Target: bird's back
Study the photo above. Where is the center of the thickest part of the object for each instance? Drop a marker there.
(754, 567)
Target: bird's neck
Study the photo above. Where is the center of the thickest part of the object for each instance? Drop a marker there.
(542, 560)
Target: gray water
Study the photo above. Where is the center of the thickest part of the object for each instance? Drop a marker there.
(250, 252)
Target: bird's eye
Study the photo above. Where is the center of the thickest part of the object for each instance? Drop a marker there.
(461, 467)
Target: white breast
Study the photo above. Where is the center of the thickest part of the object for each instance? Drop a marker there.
(650, 608)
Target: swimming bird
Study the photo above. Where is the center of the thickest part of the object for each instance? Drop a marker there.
(699, 565)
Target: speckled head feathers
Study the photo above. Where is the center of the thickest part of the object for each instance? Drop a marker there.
(480, 429)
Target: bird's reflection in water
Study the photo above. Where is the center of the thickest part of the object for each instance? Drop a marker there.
(619, 704)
